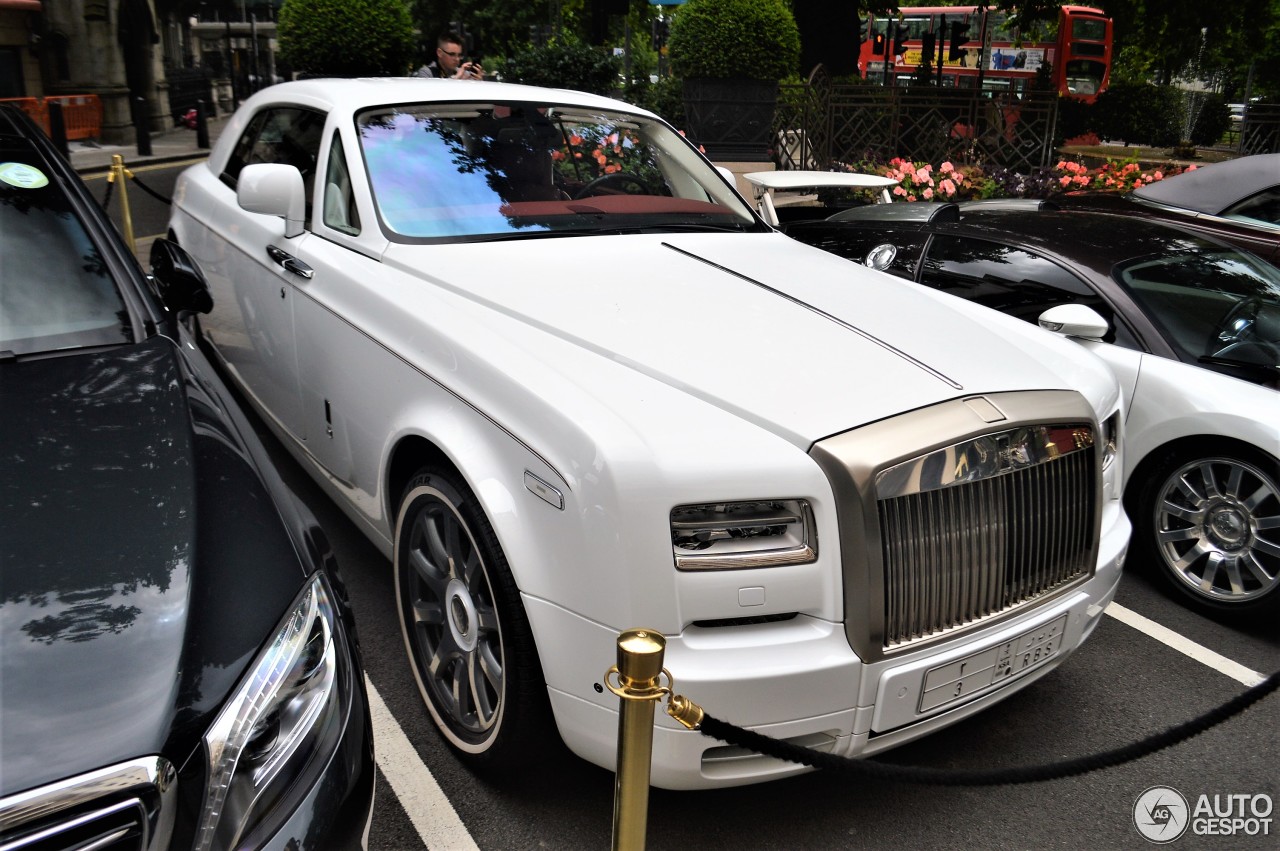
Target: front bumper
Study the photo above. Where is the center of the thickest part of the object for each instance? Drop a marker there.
(799, 680)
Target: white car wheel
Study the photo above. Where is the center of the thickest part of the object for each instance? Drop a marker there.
(464, 628)
(1213, 524)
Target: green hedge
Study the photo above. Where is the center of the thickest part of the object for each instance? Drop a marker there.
(564, 63)
(346, 38)
(756, 39)
(1140, 114)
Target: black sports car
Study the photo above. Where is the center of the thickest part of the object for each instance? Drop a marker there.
(1237, 201)
(178, 660)
(1190, 325)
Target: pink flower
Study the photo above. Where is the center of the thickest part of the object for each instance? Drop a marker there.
(922, 174)
(947, 167)
(1065, 180)
(898, 190)
(928, 194)
(1159, 175)
(947, 187)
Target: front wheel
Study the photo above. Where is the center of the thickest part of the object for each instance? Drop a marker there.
(464, 628)
(1211, 524)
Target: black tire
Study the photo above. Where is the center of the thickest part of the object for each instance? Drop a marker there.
(464, 628)
(1209, 524)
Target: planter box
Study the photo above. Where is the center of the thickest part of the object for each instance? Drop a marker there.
(732, 119)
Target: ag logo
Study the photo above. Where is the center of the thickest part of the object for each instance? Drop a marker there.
(1161, 814)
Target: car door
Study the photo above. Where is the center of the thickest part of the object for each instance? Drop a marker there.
(252, 324)
(1024, 284)
(336, 355)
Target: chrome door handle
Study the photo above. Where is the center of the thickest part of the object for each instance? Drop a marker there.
(290, 263)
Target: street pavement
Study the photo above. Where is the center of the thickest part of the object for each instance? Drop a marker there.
(172, 145)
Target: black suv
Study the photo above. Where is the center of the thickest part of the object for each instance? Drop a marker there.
(178, 660)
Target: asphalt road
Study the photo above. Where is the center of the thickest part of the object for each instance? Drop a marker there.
(1121, 687)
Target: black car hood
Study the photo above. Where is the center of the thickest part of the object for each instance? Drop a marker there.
(147, 552)
(97, 523)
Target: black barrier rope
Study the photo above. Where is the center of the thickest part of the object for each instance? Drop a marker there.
(727, 732)
(150, 191)
(106, 197)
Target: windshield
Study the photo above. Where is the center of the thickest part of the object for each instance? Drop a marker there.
(55, 289)
(1214, 304)
(503, 170)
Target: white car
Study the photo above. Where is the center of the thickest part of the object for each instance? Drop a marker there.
(555, 367)
(1191, 327)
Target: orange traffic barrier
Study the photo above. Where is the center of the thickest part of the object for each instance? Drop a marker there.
(81, 114)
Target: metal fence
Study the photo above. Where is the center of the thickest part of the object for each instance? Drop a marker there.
(1260, 131)
(819, 124)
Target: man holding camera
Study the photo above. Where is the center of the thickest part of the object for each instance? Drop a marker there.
(448, 63)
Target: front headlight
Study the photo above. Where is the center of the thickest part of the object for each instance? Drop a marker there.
(282, 724)
(734, 535)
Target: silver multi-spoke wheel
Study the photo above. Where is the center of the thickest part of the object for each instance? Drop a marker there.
(1217, 530)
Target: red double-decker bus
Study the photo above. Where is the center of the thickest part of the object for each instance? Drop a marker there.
(979, 47)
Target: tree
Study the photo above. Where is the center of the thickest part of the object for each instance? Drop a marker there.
(346, 38)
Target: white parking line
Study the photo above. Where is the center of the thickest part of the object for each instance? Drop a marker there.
(416, 789)
(1185, 646)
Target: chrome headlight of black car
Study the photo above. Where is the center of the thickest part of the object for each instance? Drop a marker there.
(282, 724)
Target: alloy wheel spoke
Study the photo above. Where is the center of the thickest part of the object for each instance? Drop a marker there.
(1258, 570)
(479, 682)
(439, 554)
(1231, 567)
(1190, 514)
(1173, 536)
(427, 572)
(1188, 488)
(1235, 480)
(1266, 547)
(1207, 479)
(1259, 496)
(428, 613)
(453, 543)
(1191, 556)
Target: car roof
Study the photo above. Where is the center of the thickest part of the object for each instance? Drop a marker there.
(1090, 237)
(359, 92)
(1213, 188)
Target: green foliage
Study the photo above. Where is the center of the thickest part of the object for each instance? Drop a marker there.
(665, 98)
(1139, 114)
(564, 63)
(1212, 122)
(756, 39)
(346, 38)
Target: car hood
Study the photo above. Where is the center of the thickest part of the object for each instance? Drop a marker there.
(96, 533)
(795, 339)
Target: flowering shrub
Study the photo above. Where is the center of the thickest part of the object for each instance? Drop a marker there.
(592, 152)
(920, 181)
(1120, 177)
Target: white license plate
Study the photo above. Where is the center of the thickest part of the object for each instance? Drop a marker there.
(961, 679)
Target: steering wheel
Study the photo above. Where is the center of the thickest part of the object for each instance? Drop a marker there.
(605, 183)
(1235, 327)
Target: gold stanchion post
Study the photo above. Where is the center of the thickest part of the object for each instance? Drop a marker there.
(639, 671)
(117, 175)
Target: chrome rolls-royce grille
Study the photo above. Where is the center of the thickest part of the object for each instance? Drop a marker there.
(126, 807)
(961, 551)
(954, 515)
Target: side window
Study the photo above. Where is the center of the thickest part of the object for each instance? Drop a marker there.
(286, 135)
(339, 202)
(1014, 282)
(1260, 209)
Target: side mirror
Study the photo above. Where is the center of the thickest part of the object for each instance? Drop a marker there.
(274, 189)
(179, 281)
(1074, 320)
